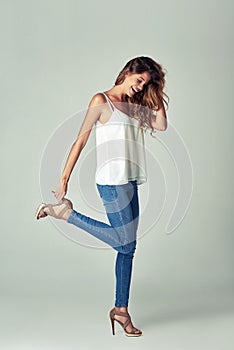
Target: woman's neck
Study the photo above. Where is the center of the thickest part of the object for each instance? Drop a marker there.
(117, 94)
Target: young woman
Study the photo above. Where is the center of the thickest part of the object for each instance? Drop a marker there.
(120, 115)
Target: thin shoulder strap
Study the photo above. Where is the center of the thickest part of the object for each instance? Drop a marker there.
(112, 107)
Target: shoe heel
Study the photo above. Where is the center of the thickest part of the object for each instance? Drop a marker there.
(113, 326)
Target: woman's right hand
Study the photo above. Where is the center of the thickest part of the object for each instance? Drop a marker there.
(61, 190)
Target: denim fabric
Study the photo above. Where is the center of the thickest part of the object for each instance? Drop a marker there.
(122, 209)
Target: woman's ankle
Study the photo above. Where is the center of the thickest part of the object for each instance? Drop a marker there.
(67, 214)
(121, 308)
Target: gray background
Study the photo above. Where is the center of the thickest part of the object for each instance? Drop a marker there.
(56, 294)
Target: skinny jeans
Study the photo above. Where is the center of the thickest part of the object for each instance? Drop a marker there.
(122, 209)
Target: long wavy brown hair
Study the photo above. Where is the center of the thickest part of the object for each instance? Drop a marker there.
(152, 95)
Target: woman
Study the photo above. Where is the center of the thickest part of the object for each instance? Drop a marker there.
(120, 115)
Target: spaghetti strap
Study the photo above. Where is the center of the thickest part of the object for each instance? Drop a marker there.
(112, 107)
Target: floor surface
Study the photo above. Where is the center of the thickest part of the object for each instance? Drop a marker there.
(47, 323)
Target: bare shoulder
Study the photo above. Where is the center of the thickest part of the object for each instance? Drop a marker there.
(97, 99)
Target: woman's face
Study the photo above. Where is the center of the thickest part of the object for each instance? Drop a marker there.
(135, 82)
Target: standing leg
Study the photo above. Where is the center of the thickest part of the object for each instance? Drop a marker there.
(123, 267)
(123, 271)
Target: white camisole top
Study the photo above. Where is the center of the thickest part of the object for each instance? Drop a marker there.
(120, 149)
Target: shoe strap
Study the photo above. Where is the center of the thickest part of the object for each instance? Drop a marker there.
(50, 206)
(120, 313)
(63, 211)
(124, 314)
(127, 323)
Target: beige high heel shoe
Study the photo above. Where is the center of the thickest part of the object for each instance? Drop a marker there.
(41, 214)
(134, 333)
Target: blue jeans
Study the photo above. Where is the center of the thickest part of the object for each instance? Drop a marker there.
(122, 209)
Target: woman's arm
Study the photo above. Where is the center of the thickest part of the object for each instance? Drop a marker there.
(159, 120)
(95, 109)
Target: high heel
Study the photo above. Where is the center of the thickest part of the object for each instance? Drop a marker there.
(40, 213)
(112, 325)
(134, 333)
